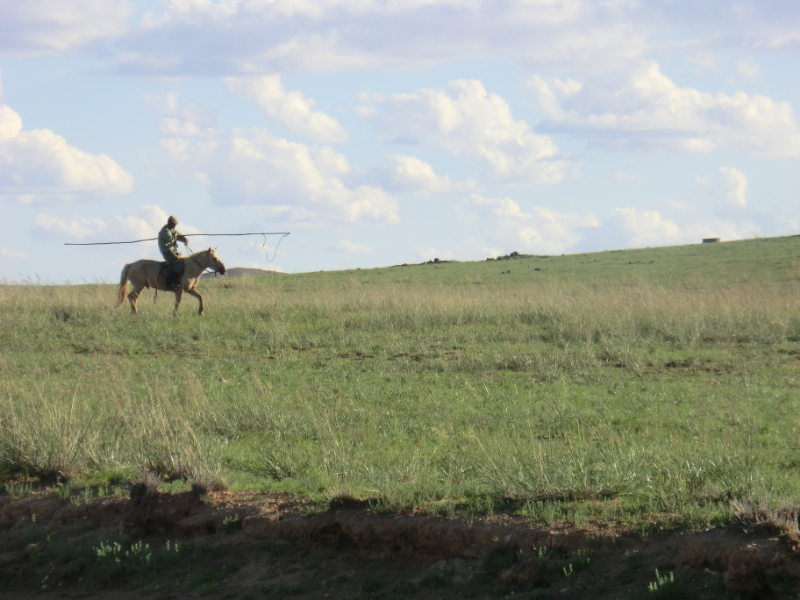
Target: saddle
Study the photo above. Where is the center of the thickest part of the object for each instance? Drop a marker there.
(164, 276)
(164, 273)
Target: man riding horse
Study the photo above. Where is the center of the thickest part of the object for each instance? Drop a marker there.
(168, 239)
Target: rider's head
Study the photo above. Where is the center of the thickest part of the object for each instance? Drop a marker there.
(172, 221)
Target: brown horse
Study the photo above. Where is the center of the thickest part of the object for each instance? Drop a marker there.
(144, 274)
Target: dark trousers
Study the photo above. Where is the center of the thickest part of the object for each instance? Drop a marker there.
(177, 266)
(175, 263)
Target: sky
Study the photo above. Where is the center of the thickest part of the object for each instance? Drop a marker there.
(383, 132)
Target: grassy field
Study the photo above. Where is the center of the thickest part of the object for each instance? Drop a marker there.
(640, 386)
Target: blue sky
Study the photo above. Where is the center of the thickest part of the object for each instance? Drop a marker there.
(382, 132)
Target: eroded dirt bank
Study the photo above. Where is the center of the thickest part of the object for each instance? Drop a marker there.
(271, 545)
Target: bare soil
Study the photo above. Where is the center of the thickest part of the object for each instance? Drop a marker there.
(245, 545)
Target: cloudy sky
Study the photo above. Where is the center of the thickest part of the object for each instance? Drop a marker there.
(381, 132)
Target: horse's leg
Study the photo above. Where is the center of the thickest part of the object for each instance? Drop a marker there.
(197, 295)
(133, 297)
(178, 294)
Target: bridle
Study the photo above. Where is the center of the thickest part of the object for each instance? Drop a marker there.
(199, 264)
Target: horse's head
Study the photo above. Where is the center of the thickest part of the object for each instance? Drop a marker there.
(215, 263)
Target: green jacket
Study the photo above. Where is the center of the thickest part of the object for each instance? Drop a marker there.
(168, 241)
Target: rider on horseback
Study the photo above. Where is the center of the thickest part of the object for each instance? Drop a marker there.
(168, 239)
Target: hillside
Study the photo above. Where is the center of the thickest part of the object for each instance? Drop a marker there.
(236, 272)
(719, 264)
(606, 414)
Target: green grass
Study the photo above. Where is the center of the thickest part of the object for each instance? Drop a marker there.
(629, 386)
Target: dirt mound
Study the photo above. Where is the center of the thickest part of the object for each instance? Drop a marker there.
(272, 536)
(749, 562)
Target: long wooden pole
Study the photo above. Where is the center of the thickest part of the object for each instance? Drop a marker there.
(283, 233)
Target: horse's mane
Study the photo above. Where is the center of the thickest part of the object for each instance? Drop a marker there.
(207, 250)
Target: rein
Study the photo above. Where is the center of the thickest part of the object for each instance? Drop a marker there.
(199, 264)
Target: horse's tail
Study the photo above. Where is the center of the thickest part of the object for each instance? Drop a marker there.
(123, 285)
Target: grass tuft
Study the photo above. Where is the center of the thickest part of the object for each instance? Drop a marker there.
(632, 387)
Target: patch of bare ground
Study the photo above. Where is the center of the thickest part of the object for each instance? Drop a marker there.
(246, 545)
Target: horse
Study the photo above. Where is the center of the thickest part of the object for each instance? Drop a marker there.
(145, 274)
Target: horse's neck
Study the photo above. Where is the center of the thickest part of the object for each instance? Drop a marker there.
(195, 264)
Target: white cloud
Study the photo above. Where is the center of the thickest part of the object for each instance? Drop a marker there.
(628, 177)
(635, 228)
(254, 37)
(729, 191)
(39, 27)
(725, 230)
(429, 253)
(348, 247)
(258, 37)
(464, 119)
(748, 68)
(403, 173)
(644, 227)
(75, 229)
(649, 112)
(537, 229)
(170, 104)
(734, 184)
(703, 61)
(299, 182)
(14, 254)
(743, 24)
(145, 222)
(39, 165)
(541, 230)
(185, 128)
(677, 205)
(292, 109)
(142, 223)
(262, 169)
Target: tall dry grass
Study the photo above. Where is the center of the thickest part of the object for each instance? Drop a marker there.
(547, 391)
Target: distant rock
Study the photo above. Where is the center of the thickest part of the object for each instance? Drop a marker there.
(435, 261)
(242, 272)
(513, 256)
